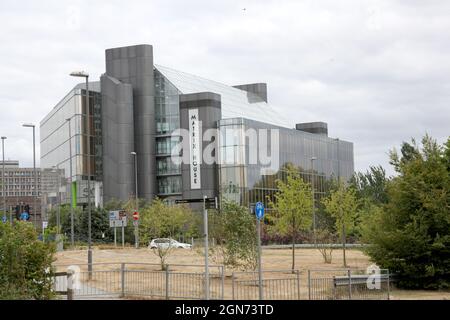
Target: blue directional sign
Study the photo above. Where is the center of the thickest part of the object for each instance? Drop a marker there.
(24, 216)
(4, 219)
(259, 210)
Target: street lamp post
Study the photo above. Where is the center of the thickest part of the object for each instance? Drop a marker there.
(30, 125)
(4, 183)
(72, 231)
(85, 75)
(136, 223)
(344, 244)
(313, 201)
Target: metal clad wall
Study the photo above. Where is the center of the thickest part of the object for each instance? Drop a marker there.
(118, 139)
(209, 110)
(134, 65)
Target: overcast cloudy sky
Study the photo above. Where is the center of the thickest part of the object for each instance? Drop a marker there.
(377, 71)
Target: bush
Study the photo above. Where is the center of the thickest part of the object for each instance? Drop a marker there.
(25, 263)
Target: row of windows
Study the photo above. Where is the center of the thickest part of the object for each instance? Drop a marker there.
(18, 194)
(20, 173)
(18, 187)
(19, 181)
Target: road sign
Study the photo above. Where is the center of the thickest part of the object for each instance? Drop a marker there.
(136, 216)
(210, 203)
(259, 210)
(117, 218)
(24, 216)
(44, 224)
(4, 219)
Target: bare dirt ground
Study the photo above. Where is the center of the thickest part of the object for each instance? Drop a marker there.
(272, 259)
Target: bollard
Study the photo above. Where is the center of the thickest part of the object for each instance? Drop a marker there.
(69, 284)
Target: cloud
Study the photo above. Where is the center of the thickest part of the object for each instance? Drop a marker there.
(377, 71)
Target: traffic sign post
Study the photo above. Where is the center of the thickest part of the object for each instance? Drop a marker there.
(136, 229)
(259, 213)
(118, 219)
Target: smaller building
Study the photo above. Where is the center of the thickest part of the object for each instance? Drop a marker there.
(18, 187)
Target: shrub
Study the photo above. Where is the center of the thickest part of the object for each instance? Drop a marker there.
(25, 263)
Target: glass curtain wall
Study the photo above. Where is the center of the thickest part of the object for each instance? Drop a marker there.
(167, 120)
(54, 132)
(247, 183)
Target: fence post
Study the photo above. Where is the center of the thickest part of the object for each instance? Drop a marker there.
(232, 286)
(349, 284)
(388, 285)
(69, 284)
(167, 282)
(223, 283)
(122, 279)
(298, 284)
(309, 284)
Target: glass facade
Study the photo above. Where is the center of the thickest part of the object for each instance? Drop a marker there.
(235, 102)
(167, 120)
(247, 182)
(54, 133)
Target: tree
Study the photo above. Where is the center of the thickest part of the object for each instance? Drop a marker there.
(234, 229)
(25, 263)
(161, 220)
(371, 185)
(342, 204)
(410, 235)
(292, 208)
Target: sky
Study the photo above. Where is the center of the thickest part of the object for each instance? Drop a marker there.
(378, 72)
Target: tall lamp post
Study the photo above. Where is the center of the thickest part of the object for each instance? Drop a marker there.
(313, 201)
(85, 75)
(136, 222)
(4, 183)
(72, 231)
(30, 125)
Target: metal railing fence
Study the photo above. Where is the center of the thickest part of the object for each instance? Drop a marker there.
(276, 285)
(348, 284)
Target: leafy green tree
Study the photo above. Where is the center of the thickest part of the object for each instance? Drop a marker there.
(25, 263)
(292, 208)
(342, 204)
(411, 234)
(234, 230)
(371, 185)
(161, 220)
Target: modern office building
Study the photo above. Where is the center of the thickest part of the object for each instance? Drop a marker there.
(193, 137)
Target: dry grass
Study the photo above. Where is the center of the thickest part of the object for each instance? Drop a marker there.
(272, 259)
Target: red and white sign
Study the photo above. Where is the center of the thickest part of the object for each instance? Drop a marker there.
(135, 215)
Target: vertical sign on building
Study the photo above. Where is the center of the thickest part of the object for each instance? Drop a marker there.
(195, 146)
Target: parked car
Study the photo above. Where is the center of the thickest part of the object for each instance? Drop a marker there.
(166, 242)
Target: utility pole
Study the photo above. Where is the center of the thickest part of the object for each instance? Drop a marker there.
(340, 206)
(30, 125)
(72, 231)
(313, 201)
(4, 183)
(136, 222)
(205, 228)
(88, 168)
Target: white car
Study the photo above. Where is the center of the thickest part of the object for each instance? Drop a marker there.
(165, 243)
